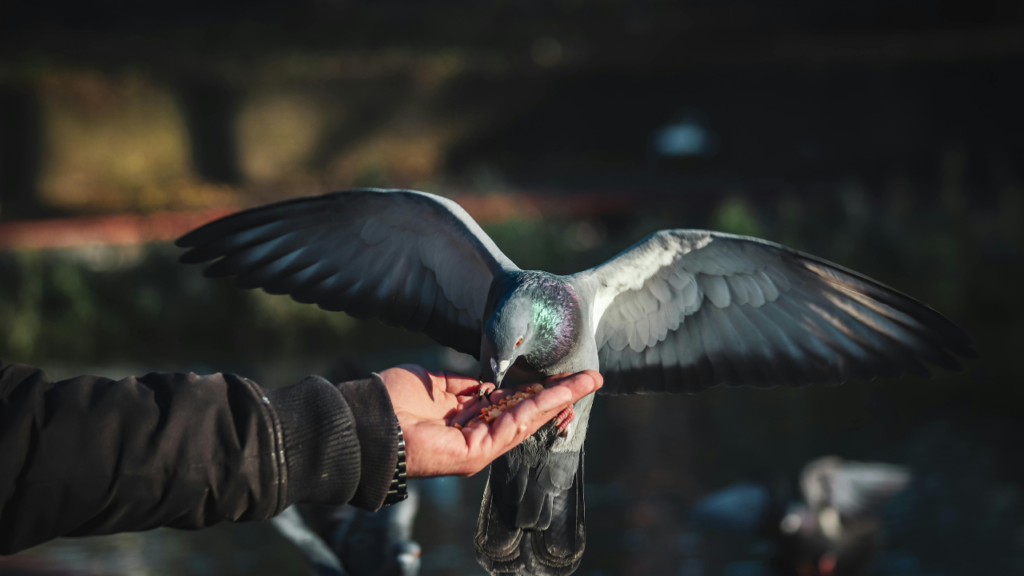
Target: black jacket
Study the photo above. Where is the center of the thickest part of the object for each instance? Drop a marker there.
(90, 455)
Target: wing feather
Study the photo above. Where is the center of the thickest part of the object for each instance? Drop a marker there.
(683, 310)
(409, 258)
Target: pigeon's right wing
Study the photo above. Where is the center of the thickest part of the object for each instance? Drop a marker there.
(412, 259)
(852, 488)
(683, 310)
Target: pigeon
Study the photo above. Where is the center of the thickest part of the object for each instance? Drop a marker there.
(348, 541)
(680, 311)
(378, 543)
(832, 532)
(835, 532)
(322, 560)
(836, 490)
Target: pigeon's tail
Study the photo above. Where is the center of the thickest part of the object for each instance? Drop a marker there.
(532, 519)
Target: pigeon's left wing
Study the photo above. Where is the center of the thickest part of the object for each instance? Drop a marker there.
(412, 259)
(851, 488)
(683, 310)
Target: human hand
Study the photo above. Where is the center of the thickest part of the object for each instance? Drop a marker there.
(429, 404)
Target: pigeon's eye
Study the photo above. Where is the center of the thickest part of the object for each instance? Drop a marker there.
(518, 342)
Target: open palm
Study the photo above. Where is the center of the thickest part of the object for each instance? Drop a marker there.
(429, 404)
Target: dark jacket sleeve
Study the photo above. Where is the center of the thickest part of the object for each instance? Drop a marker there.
(90, 455)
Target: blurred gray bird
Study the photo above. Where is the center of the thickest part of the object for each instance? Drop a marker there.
(379, 543)
(680, 311)
(838, 492)
(348, 541)
(835, 531)
(832, 532)
(317, 553)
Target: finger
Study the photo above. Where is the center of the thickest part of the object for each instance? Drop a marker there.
(484, 395)
(460, 384)
(463, 415)
(495, 398)
(535, 411)
(528, 416)
(579, 385)
(502, 393)
(484, 390)
(472, 396)
(430, 380)
(479, 445)
(570, 377)
(433, 449)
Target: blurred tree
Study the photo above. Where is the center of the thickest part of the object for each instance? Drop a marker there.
(210, 107)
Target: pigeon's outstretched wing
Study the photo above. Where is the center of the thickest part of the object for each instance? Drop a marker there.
(683, 310)
(851, 488)
(412, 259)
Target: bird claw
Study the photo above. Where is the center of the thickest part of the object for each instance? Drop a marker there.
(485, 391)
(562, 421)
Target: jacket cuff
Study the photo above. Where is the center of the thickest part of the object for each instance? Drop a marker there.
(377, 427)
(320, 443)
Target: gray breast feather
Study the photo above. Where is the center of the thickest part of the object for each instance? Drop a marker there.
(683, 310)
(412, 259)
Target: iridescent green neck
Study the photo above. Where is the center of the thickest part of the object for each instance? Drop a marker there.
(556, 319)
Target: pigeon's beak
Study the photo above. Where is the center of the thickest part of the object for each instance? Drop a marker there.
(499, 369)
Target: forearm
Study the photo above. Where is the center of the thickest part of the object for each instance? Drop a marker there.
(96, 456)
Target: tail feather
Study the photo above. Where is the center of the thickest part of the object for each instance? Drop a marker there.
(554, 547)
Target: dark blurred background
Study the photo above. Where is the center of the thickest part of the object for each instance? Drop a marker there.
(885, 136)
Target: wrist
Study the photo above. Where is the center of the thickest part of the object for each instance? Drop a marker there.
(398, 490)
(321, 453)
(376, 426)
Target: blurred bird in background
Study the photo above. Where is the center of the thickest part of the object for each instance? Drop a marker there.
(349, 541)
(314, 550)
(833, 531)
(680, 311)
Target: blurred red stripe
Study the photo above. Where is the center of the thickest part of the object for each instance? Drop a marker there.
(133, 229)
(115, 230)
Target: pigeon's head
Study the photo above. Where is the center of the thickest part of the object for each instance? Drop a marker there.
(510, 332)
(539, 320)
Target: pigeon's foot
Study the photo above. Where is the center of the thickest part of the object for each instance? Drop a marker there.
(485, 390)
(562, 421)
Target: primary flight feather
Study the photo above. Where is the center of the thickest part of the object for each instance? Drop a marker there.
(680, 311)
